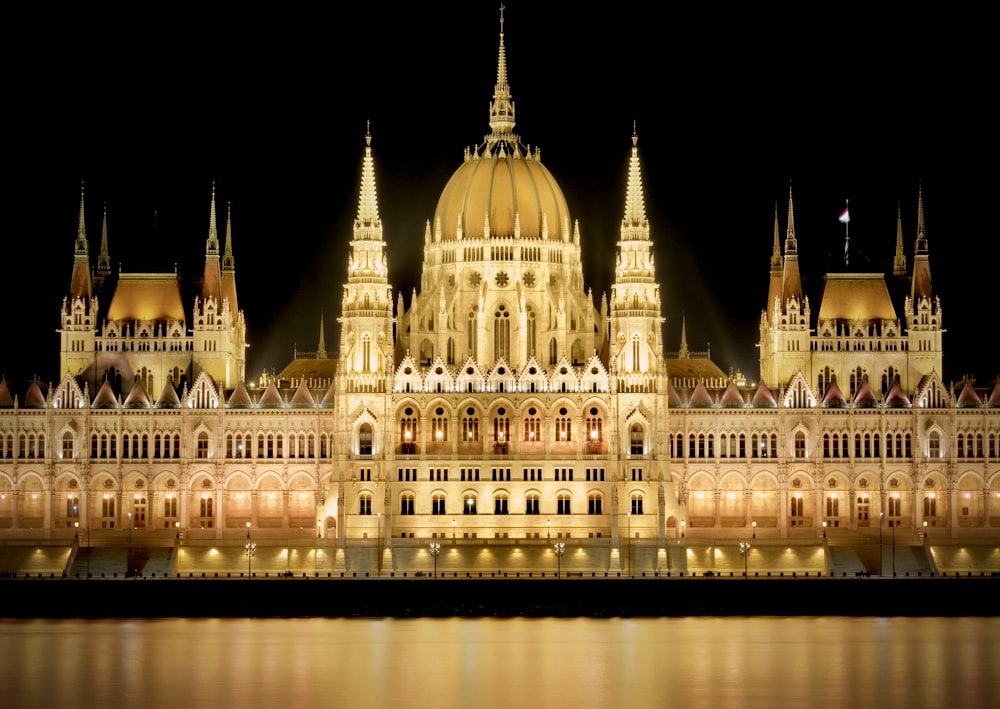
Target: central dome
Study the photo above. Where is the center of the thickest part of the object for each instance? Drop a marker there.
(499, 193)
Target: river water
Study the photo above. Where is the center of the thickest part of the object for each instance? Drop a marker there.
(488, 663)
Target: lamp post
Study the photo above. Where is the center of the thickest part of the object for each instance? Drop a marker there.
(453, 532)
(435, 550)
(128, 558)
(319, 536)
(754, 526)
(251, 550)
(628, 567)
(86, 539)
(560, 549)
(745, 553)
(684, 524)
(824, 529)
(378, 544)
(548, 530)
(893, 548)
(880, 516)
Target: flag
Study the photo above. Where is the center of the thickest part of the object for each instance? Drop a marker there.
(845, 216)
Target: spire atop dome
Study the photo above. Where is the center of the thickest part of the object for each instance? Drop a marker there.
(502, 106)
(368, 200)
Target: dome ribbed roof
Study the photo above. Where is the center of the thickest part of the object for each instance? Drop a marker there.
(499, 188)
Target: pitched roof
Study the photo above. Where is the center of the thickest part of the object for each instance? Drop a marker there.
(856, 297)
(146, 296)
(240, 398)
(137, 398)
(168, 398)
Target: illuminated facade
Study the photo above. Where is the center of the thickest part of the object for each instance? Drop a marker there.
(501, 408)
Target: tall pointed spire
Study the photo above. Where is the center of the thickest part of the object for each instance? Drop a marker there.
(80, 283)
(684, 352)
(502, 106)
(635, 208)
(211, 286)
(921, 234)
(899, 261)
(104, 258)
(228, 263)
(212, 245)
(791, 281)
(368, 216)
(921, 285)
(791, 245)
(228, 275)
(776, 261)
(81, 229)
(321, 349)
(777, 268)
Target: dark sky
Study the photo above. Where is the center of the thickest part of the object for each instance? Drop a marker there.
(729, 108)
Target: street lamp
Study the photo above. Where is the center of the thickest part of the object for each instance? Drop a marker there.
(435, 550)
(824, 529)
(893, 548)
(745, 553)
(128, 558)
(560, 549)
(684, 523)
(754, 525)
(548, 530)
(86, 535)
(378, 545)
(629, 566)
(251, 550)
(880, 516)
(319, 537)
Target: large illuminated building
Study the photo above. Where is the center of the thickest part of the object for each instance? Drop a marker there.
(501, 416)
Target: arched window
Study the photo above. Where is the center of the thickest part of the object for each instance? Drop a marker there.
(406, 503)
(365, 439)
(501, 333)
(562, 503)
(470, 426)
(532, 330)
(564, 426)
(636, 442)
(636, 503)
(469, 503)
(437, 504)
(800, 444)
(67, 445)
(532, 426)
(500, 504)
(934, 445)
(594, 503)
(531, 503)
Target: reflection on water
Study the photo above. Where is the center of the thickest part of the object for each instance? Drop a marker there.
(460, 662)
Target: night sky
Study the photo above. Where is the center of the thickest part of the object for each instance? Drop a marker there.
(729, 110)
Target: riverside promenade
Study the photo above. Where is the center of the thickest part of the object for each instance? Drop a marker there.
(522, 596)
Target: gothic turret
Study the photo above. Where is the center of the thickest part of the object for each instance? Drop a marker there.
(78, 316)
(366, 337)
(219, 327)
(922, 310)
(636, 322)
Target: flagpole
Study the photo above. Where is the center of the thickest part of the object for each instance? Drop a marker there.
(845, 219)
